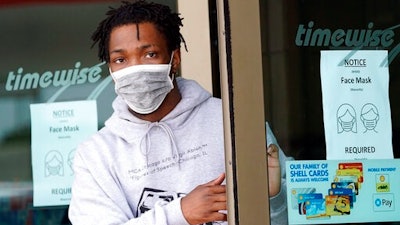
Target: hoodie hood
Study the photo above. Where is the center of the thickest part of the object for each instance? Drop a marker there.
(132, 129)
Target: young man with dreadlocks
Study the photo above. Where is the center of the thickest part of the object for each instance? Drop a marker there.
(159, 160)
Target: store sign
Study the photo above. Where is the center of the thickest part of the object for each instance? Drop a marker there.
(311, 35)
(308, 35)
(22, 80)
(57, 128)
(343, 191)
(356, 107)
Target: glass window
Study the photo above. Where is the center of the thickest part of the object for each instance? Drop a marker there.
(292, 64)
(294, 34)
(38, 39)
(47, 58)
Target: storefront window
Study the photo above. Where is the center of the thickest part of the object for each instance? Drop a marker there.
(52, 39)
(47, 60)
(296, 35)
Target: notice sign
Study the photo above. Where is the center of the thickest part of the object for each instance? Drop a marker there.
(333, 191)
(57, 128)
(355, 95)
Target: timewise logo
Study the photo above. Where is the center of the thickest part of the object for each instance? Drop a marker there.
(383, 202)
(20, 80)
(310, 35)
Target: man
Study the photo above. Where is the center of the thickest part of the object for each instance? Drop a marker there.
(159, 159)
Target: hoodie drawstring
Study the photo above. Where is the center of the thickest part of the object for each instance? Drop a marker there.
(170, 134)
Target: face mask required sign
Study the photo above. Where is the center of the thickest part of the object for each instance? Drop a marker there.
(337, 191)
(355, 95)
(57, 128)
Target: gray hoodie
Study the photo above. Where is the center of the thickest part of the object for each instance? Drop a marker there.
(136, 172)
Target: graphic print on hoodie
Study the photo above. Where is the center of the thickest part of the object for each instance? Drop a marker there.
(150, 196)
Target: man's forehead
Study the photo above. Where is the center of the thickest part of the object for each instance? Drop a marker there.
(137, 36)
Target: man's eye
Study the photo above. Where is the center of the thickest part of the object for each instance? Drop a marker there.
(118, 60)
(151, 55)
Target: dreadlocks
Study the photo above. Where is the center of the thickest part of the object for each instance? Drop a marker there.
(136, 12)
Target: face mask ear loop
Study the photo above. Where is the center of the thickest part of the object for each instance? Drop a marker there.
(172, 56)
(111, 73)
(170, 63)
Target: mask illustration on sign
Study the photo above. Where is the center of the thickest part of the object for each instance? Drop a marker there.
(70, 160)
(346, 119)
(54, 164)
(143, 87)
(369, 117)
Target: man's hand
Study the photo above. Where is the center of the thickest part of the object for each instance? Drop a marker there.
(203, 204)
(274, 170)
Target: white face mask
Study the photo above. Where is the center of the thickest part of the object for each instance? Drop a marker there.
(143, 87)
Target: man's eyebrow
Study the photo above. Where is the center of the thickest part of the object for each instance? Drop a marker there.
(145, 46)
(117, 51)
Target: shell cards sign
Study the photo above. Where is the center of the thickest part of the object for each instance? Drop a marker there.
(333, 191)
